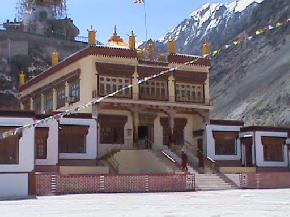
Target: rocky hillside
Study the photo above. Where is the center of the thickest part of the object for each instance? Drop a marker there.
(250, 81)
(28, 52)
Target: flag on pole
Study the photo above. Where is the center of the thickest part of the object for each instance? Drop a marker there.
(139, 1)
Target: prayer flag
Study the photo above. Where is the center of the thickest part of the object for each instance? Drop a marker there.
(139, 1)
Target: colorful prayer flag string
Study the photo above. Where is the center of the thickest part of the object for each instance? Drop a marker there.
(61, 115)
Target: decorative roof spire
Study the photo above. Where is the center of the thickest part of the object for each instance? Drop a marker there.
(115, 30)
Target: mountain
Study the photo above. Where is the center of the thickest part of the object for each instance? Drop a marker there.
(216, 23)
(250, 81)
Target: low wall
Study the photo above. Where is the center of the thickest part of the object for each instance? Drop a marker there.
(47, 184)
(83, 170)
(266, 180)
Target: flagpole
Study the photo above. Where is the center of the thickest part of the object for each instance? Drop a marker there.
(145, 13)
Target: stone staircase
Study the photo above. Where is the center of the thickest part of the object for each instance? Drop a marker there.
(177, 160)
(211, 182)
(204, 182)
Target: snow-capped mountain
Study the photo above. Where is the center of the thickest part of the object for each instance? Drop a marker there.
(250, 81)
(214, 22)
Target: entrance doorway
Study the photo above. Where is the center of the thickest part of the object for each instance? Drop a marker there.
(248, 156)
(145, 136)
(248, 144)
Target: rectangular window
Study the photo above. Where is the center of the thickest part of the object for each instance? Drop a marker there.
(112, 129)
(9, 149)
(48, 102)
(37, 104)
(108, 85)
(154, 90)
(273, 148)
(72, 139)
(225, 142)
(189, 92)
(112, 135)
(60, 97)
(41, 135)
(74, 91)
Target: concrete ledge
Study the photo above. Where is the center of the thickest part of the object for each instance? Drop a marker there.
(230, 170)
(83, 170)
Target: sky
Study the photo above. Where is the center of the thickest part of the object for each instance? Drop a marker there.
(162, 15)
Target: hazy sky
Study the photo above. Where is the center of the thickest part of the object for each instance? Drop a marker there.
(162, 15)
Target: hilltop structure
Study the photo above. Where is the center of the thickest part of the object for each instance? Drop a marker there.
(44, 17)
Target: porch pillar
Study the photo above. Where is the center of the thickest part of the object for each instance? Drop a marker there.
(171, 116)
(135, 128)
(66, 94)
(171, 88)
(31, 104)
(54, 99)
(42, 103)
(135, 88)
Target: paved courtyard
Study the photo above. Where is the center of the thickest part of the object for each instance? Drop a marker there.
(236, 203)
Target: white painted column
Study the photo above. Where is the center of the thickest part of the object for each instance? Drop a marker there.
(42, 103)
(66, 94)
(31, 104)
(171, 88)
(135, 88)
(54, 99)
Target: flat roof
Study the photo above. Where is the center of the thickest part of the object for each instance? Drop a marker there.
(227, 122)
(265, 128)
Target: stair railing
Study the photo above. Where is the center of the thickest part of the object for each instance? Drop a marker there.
(211, 164)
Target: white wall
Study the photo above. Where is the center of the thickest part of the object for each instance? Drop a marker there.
(13, 186)
(52, 144)
(260, 153)
(91, 139)
(211, 142)
(26, 146)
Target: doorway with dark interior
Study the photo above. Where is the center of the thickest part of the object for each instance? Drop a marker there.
(145, 135)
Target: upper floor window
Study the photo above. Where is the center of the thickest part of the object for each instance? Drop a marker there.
(60, 97)
(48, 102)
(189, 92)
(74, 91)
(154, 90)
(109, 85)
(37, 104)
(9, 149)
